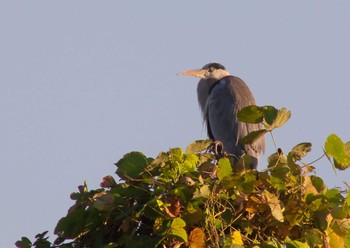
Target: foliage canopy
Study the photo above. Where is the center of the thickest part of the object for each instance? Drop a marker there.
(193, 199)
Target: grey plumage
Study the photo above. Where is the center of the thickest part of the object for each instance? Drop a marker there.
(221, 96)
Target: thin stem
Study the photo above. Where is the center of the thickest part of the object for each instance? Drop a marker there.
(317, 159)
(273, 140)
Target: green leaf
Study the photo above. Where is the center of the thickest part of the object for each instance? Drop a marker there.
(249, 181)
(334, 196)
(317, 182)
(78, 222)
(253, 136)
(129, 191)
(42, 243)
(278, 183)
(295, 244)
(184, 193)
(131, 165)
(251, 114)
(24, 243)
(177, 229)
(224, 168)
(340, 152)
(334, 146)
(295, 168)
(340, 212)
(270, 114)
(280, 176)
(72, 225)
(194, 216)
(176, 155)
(341, 166)
(299, 151)
(191, 161)
(347, 199)
(315, 202)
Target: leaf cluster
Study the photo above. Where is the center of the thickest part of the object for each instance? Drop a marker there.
(269, 116)
(192, 199)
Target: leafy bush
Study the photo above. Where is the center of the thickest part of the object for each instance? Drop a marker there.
(194, 199)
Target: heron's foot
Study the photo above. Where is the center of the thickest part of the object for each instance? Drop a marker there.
(218, 149)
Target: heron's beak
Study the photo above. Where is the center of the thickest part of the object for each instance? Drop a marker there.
(196, 73)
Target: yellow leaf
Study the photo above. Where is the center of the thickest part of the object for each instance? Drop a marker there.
(177, 229)
(198, 146)
(196, 239)
(333, 239)
(236, 238)
(282, 117)
(275, 205)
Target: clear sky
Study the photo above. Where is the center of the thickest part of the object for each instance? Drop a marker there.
(84, 82)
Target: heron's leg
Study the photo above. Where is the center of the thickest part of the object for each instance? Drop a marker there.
(218, 149)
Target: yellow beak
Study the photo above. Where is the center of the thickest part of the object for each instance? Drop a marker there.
(196, 73)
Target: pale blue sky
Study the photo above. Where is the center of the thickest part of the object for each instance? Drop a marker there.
(83, 83)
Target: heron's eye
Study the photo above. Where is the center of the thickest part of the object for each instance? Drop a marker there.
(211, 69)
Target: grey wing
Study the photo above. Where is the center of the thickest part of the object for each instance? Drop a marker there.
(229, 96)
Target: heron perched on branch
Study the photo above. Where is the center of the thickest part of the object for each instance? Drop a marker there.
(221, 96)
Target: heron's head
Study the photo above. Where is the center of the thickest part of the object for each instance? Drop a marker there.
(213, 71)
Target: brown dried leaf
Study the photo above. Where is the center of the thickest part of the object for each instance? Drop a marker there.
(175, 207)
(196, 239)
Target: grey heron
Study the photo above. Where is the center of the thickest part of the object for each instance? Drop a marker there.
(221, 96)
